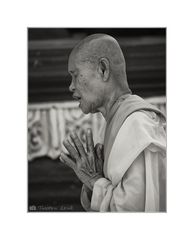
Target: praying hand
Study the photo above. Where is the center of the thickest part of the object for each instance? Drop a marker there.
(87, 164)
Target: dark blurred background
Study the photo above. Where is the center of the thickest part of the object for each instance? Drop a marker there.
(53, 187)
(144, 50)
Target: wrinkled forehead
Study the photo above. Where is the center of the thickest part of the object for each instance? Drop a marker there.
(78, 60)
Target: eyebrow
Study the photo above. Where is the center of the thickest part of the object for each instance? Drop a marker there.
(73, 72)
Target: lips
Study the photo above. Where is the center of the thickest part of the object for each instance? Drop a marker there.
(76, 97)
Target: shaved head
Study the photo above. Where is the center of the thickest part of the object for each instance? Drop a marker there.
(98, 71)
(97, 46)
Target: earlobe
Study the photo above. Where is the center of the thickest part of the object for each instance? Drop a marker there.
(104, 68)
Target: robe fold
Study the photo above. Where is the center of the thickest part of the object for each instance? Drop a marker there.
(134, 160)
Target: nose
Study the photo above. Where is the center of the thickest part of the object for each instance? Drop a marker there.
(71, 87)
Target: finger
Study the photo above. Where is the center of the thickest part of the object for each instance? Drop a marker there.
(89, 137)
(73, 153)
(87, 146)
(65, 159)
(99, 150)
(78, 144)
(102, 152)
(66, 154)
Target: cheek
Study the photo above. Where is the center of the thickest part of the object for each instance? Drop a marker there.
(85, 84)
(84, 87)
(88, 85)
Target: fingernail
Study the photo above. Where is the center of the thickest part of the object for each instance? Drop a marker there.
(89, 130)
(69, 140)
(65, 142)
(73, 133)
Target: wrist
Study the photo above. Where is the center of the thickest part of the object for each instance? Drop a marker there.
(94, 179)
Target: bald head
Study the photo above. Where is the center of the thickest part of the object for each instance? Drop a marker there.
(102, 46)
(97, 67)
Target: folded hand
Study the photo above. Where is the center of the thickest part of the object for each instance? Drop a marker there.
(87, 164)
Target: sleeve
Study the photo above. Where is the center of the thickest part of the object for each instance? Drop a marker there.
(85, 198)
(126, 186)
(128, 195)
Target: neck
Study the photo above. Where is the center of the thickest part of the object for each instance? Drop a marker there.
(110, 100)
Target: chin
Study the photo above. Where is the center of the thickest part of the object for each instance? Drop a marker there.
(84, 110)
(87, 109)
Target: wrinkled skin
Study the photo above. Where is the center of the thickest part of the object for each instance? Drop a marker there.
(86, 85)
(97, 68)
(87, 164)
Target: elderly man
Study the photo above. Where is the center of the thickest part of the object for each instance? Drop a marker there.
(128, 173)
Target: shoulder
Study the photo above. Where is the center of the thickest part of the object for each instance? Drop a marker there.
(142, 126)
(144, 115)
(144, 119)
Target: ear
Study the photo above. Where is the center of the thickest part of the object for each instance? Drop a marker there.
(104, 68)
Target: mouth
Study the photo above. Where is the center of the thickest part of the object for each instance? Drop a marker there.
(76, 97)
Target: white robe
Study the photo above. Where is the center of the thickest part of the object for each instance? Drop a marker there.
(136, 169)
